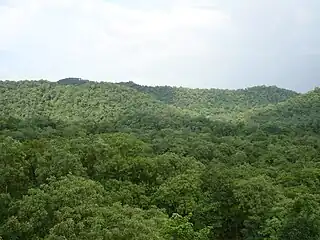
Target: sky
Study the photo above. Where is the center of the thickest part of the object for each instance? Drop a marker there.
(191, 43)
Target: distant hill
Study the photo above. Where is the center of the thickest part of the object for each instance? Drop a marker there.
(129, 104)
(216, 102)
(77, 102)
(72, 81)
(302, 112)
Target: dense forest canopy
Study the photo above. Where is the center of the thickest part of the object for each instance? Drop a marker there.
(216, 102)
(87, 160)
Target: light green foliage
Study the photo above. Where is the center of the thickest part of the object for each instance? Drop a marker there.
(301, 112)
(255, 197)
(302, 221)
(216, 102)
(179, 194)
(75, 208)
(180, 228)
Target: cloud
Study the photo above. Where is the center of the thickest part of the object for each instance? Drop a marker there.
(195, 43)
(77, 34)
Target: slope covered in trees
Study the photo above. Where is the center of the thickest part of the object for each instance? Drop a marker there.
(122, 161)
(89, 101)
(301, 112)
(216, 102)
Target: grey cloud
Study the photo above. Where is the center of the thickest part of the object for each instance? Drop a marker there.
(300, 73)
(268, 42)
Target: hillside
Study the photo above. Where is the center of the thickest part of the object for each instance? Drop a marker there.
(216, 103)
(100, 101)
(86, 160)
(301, 112)
(85, 102)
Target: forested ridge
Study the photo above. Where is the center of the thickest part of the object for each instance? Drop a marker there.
(87, 160)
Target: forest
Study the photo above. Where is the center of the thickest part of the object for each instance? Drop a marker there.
(83, 160)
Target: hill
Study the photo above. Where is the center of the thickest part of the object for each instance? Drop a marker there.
(72, 81)
(87, 101)
(216, 103)
(86, 160)
(301, 112)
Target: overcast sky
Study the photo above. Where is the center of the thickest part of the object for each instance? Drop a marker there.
(191, 43)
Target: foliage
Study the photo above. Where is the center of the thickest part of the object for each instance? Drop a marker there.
(87, 160)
